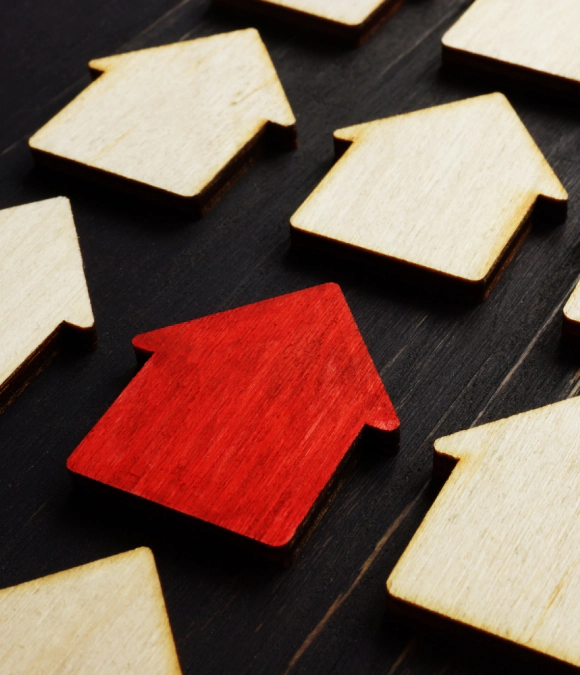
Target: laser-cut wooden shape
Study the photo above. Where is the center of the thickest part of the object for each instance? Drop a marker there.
(571, 318)
(447, 190)
(44, 300)
(176, 123)
(498, 550)
(351, 22)
(105, 617)
(244, 419)
(532, 41)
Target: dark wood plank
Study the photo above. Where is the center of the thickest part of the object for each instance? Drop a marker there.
(446, 366)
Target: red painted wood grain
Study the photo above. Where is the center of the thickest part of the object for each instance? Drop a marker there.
(241, 418)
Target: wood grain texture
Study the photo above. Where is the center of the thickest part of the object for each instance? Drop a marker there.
(530, 40)
(242, 419)
(44, 293)
(176, 123)
(498, 550)
(447, 189)
(104, 617)
(351, 22)
(444, 365)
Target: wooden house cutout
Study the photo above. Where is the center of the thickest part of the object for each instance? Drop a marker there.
(440, 196)
(105, 617)
(498, 550)
(530, 41)
(44, 302)
(176, 123)
(244, 420)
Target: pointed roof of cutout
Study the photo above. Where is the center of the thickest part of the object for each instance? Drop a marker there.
(105, 617)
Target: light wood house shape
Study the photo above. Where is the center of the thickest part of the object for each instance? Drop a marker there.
(105, 617)
(44, 302)
(176, 123)
(446, 190)
(499, 549)
(531, 41)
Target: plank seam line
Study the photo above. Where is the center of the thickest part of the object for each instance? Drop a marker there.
(445, 415)
(342, 597)
(576, 386)
(157, 21)
(450, 332)
(409, 647)
(523, 356)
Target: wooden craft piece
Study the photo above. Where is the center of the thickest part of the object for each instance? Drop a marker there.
(351, 22)
(176, 123)
(571, 317)
(446, 190)
(44, 302)
(533, 41)
(105, 617)
(243, 419)
(498, 551)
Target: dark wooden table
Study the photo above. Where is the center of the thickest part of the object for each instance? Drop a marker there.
(446, 366)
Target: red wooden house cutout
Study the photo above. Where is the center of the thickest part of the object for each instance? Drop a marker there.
(243, 419)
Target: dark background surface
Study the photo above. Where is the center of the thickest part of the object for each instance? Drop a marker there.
(445, 366)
